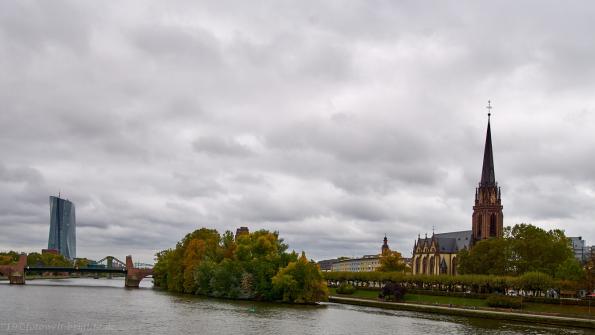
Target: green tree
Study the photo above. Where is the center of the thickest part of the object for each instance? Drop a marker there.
(535, 282)
(301, 282)
(9, 257)
(56, 260)
(81, 262)
(524, 248)
(534, 249)
(571, 269)
(392, 261)
(490, 257)
(207, 263)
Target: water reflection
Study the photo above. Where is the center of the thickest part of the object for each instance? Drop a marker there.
(104, 306)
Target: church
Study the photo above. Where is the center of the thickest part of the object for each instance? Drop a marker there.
(438, 254)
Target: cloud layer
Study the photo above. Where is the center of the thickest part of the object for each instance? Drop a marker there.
(333, 123)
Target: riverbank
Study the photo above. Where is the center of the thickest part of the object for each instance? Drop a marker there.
(469, 312)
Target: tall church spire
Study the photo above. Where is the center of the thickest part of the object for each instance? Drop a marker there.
(487, 219)
(488, 176)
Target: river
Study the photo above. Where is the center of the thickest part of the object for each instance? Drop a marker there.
(104, 306)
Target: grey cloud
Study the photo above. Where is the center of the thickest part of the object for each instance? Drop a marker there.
(20, 174)
(196, 46)
(333, 122)
(220, 147)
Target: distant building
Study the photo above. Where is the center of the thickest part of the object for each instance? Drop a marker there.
(438, 253)
(242, 231)
(62, 235)
(385, 249)
(581, 251)
(364, 264)
(327, 264)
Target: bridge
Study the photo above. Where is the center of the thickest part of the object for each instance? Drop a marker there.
(134, 274)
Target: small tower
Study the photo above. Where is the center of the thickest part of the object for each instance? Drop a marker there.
(385, 248)
(242, 231)
(487, 219)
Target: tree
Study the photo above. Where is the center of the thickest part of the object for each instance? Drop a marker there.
(301, 282)
(392, 261)
(37, 259)
(524, 248)
(535, 282)
(9, 257)
(571, 269)
(5, 260)
(534, 249)
(207, 263)
(81, 262)
(486, 257)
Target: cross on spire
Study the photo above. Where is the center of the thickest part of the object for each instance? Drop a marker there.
(488, 177)
(489, 107)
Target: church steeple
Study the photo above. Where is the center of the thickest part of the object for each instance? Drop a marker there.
(487, 219)
(488, 176)
(385, 249)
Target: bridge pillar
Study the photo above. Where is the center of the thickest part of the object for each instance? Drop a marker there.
(16, 273)
(134, 275)
(16, 278)
(132, 279)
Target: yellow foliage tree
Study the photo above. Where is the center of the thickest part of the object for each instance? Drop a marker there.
(392, 261)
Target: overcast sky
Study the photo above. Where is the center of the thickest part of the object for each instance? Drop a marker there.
(333, 122)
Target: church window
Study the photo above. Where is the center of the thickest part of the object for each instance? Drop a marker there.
(432, 265)
(443, 268)
(493, 225)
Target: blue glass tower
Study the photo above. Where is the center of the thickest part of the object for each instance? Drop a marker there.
(62, 227)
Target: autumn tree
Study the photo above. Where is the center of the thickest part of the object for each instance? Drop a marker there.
(207, 263)
(301, 282)
(392, 261)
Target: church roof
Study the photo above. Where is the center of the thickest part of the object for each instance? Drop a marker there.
(450, 242)
(454, 241)
(488, 176)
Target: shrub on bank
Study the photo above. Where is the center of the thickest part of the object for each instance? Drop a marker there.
(532, 283)
(345, 288)
(503, 301)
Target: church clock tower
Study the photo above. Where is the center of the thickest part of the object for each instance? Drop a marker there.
(487, 217)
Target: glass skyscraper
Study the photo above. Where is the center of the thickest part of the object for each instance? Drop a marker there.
(62, 227)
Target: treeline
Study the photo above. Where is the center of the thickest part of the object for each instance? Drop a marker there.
(37, 259)
(534, 283)
(524, 248)
(248, 266)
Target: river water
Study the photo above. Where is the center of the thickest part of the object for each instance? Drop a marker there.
(104, 306)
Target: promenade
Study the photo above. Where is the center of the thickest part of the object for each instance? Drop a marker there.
(468, 312)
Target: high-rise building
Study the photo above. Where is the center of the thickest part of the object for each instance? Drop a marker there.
(62, 227)
(580, 249)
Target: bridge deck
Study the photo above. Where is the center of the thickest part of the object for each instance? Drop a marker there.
(29, 269)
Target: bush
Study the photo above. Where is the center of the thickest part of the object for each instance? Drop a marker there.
(502, 301)
(345, 288)
(392, 291)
